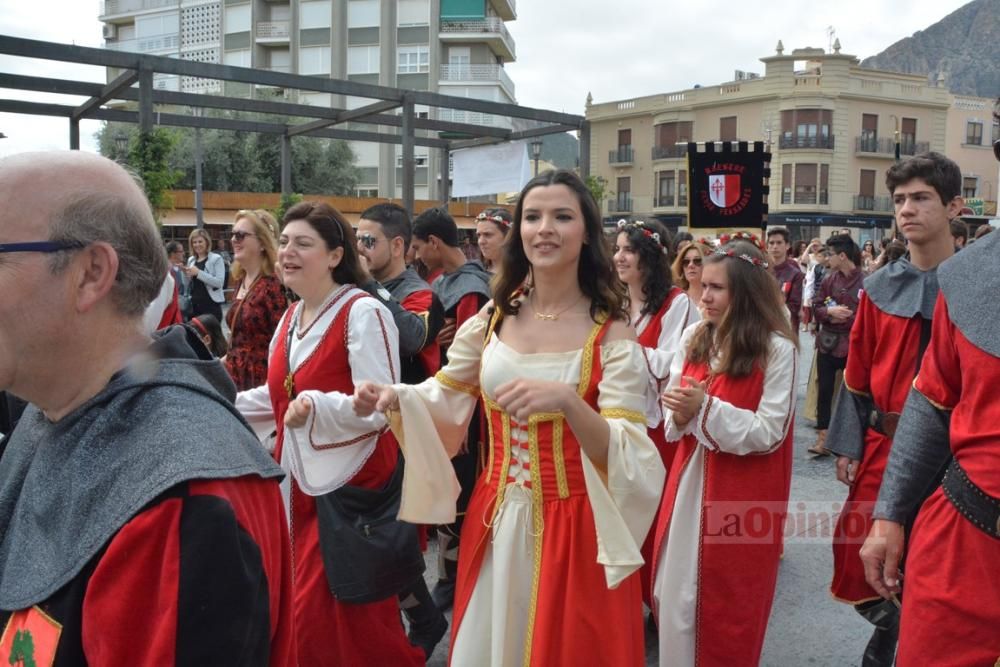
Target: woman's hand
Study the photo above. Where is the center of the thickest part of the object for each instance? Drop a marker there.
(684, 401)
(522, 398)
(370, 397)
(191, 271)
(447, 333)
(298, 412)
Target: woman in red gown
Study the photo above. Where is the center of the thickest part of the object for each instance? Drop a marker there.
(729, 410)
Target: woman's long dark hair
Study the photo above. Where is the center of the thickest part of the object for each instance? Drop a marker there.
(335, 231)
(654, 262)
(757, 309)
(595, 274)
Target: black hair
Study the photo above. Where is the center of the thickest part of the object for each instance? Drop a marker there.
(781, 231)
(209, 325)
(436, 222)
(335, 231)
(933, 169)
(959, 229)
(842, 243)
(393, 219)
(174, 246)
(654, 262)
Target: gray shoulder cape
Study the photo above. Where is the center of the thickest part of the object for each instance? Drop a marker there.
(470, 278)
(903, 290)
(67, 487)
(970, 282)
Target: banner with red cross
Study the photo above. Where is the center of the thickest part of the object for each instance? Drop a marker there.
(727, 185)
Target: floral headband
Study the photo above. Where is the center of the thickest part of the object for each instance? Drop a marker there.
(741, 236)
(499, 219)
(626, 226)
(729, 252)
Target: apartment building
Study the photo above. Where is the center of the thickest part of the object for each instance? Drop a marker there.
(832, 128)
(453, 47)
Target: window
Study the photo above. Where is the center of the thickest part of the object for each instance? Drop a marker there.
(624, 138)
(727, 128)
(908, 136)
(360, 13)
(786, 184)
(824, 184)
(623, 202)
(239, 58)
(667, 136)
(314, 60)
(866, 188)
(367, 193)
(412, 59)
(413, 12)
(805, 183)
(996, 131)
(154, 26)
(974, 133)
(806, 128)
(315, 14)
(459, 56)
(869, 134)
(970, 184)
(362, 60)
(665, 181)
(682, 187)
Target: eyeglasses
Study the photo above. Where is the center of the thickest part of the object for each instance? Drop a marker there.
(694, 261)
(41, 246)
(240, 236)
(369, 241)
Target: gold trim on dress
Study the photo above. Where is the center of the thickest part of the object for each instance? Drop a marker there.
(623, 413)
(559, 460)
(587, 362)
(488, 416)
(446, 380)
(538, 521)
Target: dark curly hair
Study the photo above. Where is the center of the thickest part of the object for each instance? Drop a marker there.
(595, 274)
(335, 231)
(654, 264)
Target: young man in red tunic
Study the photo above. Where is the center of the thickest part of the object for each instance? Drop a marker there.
(951, 601)
(786, 270)
(886, 343)
(463, 287)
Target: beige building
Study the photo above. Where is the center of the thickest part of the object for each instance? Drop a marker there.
(832, 128)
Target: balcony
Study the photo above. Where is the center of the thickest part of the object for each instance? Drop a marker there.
(146, 44)
(505, 9)
(822, 143)
(272, 32)
(620, 204)
(491, 30)
(881, 204)
(621, 155)
(908, 146)
(474, 117)
(874, 145)
(664, 201)
(669, 152)
(478, 74)
(117, 8)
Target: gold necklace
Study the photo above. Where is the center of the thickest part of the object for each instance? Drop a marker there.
(551, 317)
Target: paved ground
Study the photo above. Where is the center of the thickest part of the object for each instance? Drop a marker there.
(807, 627)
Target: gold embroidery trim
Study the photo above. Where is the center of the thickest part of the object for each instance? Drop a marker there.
(488, 416)
(587, 364)
(505, 464)
(457, 385)
(622, 413)
(538, 521)
(557, 445)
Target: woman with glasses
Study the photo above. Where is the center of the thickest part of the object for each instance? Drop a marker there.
(335, 459)
(687, 270)
(259, 300)
(492, 226)
(206, 275)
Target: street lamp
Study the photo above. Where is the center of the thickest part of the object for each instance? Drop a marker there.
(536, 152)
(121, 145)
(199, 213)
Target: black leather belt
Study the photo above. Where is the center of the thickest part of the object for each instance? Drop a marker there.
(982, 509)
(883, 422)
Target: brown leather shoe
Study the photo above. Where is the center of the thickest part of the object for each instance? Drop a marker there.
(818, 450)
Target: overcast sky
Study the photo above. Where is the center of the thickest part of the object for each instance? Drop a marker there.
(614, 50)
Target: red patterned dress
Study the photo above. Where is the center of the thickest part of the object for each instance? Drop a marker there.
(252, 321)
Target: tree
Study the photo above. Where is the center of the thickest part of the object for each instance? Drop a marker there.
(598, 186)
(148, 156)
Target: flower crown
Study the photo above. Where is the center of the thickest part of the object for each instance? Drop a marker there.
(741, 236)
(626, 226)
(499, 219)
(729, 252)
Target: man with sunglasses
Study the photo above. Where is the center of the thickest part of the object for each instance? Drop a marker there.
(141, 521)
(950, 420)
(786, 270)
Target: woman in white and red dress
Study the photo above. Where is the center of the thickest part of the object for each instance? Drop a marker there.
(660, 312)
(334, 334)
(730, 407)
(550, 548)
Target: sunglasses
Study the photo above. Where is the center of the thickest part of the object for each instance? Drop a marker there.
(695, 261)
(367, 240)
(241, 236)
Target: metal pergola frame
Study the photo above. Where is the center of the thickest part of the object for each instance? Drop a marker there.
(139, 68)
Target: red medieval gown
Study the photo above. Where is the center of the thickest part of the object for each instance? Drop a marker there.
(353, 337)
(719, 532)
(252, 321)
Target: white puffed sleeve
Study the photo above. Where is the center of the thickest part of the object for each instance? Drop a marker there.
(334, 443)
(722, 426)
(681, 314)
(624, 498)
(432, 424)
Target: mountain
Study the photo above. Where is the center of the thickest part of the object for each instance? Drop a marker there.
(963, 46)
